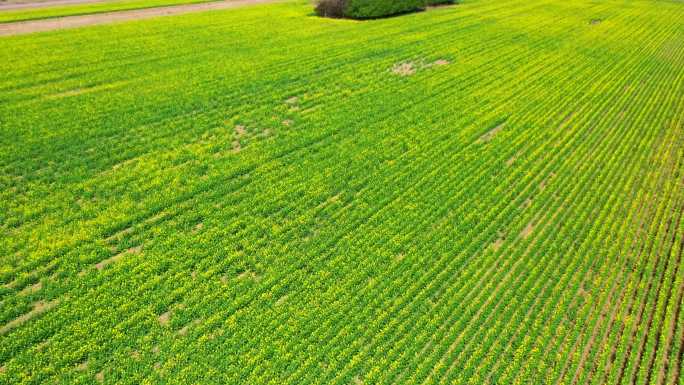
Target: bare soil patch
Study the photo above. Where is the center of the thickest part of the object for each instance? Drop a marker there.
(498, 243)
(31, 289)
(120, 234)
(102, 264)
(31, 4)
(236, 146)
(240, 130)
(511, 160)
(409, 68)
(404, 69)
(489, 135)
(39, 308)
(184, 330)
(248, 275)
(165, 318)
(527, 231)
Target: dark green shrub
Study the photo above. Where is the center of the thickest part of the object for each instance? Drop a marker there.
(330, 8)
(368, 9)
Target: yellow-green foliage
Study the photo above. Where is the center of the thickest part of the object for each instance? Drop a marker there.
(489, 193)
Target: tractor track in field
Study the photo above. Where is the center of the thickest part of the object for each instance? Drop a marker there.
(31, 26)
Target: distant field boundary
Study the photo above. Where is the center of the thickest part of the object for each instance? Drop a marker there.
(45, 4)
(31, 26)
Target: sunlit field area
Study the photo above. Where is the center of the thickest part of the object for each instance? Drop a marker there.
(489, 192)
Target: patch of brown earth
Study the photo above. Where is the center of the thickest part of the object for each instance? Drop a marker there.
(6, 5)
(102, 264)
(31, 289)
(489, 135)
(184, 330)
(527, 231)
(82, 366)
(165, 318)
(287, 122)
(236, 147)
(543, 183)
(404, 69)
(248, 275)
(497, 244)
(119, 234)
(99, 377)
(39, 308)
(240, 130)
(511, 160)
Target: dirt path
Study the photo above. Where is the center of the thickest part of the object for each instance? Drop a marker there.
(31, 4)
(24, 27)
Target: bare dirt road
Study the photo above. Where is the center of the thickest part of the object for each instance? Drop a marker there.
(24, 27)
(32, 4)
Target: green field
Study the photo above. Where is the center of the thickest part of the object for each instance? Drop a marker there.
(489, 193)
